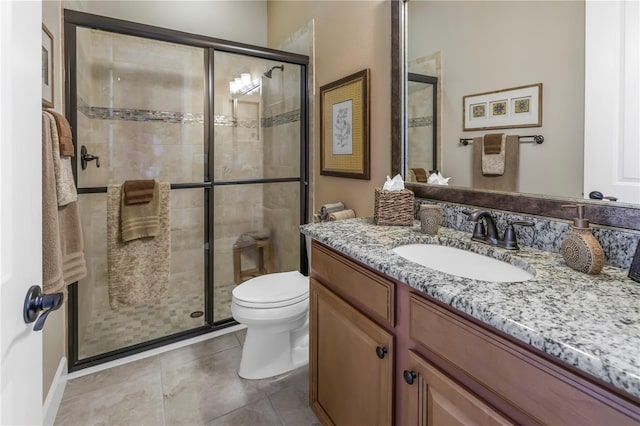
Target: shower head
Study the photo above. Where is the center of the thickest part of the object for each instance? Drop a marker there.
(268, 72)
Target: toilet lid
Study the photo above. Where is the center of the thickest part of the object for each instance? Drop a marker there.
(272, 290)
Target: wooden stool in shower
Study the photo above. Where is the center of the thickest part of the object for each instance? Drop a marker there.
(263, 263)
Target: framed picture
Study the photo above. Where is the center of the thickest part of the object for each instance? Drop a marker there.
(503, 109)
(344, 127)
(47, 67)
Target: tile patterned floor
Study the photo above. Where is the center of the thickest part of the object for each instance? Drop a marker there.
(194, 385)
(110, 329)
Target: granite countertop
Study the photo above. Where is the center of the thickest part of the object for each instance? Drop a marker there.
(591, 322)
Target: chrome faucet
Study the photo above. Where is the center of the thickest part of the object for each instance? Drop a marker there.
(486, 231)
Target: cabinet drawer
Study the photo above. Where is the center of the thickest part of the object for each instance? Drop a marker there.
(527, 381)
(368, 291)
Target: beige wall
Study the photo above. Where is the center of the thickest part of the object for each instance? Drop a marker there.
(349, 36)
(210, 18)
(490, 46)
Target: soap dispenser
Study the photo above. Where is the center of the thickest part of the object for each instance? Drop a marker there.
(580, 249)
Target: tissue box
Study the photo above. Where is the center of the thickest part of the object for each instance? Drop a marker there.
(393, 207)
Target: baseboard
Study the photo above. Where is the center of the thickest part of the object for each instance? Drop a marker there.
(54, 396)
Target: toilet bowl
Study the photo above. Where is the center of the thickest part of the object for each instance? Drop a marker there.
(275, 309)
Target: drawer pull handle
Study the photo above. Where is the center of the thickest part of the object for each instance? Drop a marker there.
(409, 376)
(381, 351)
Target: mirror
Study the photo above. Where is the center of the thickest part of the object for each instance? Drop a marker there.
(422, 134)
(475, 47)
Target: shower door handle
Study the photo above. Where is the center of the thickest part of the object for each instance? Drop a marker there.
(85, 157)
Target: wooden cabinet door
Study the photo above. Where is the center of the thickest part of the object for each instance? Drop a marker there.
(351, 363)
(437, 400)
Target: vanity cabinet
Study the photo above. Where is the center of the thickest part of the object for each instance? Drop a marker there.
(435, 399)
(384, 353)
(351, 356)
(352, 363)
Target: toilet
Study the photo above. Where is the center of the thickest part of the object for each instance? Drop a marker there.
(275, 309)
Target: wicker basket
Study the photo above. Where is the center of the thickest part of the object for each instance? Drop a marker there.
(393, 207)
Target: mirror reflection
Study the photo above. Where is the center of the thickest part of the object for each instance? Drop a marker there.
(422, 109)
(583, 56)
(475, 47)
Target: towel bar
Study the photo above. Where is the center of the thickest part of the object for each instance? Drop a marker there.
(538, 139)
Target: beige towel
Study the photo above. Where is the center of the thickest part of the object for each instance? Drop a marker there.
(140, 220)
(72, 243)
(508, 181)
(493, 154)
(52, 280)
(138, 191)
(64, 132)
(344, 214)
(63, 259)
(65, 186)
(420, 174)
(327, 209)
(138, 271)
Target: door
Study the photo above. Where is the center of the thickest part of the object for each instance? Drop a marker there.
(437, 400)
(612, 100)
(140, 108)
(20, 210)
(351, 363)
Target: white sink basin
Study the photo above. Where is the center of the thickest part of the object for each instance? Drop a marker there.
(462, 263)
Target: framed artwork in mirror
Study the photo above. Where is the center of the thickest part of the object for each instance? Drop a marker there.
(503, 109)
(47, 67)
(344, 127)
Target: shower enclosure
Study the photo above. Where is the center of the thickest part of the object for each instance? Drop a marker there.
(226, 125)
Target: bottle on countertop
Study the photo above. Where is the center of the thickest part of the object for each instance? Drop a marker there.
(580, 249)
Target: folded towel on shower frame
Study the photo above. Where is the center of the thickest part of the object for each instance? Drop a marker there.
(138, 270)
(140, 220)
(138, 191)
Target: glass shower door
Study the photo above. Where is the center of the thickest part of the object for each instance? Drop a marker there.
(140, 109)
(258, 152)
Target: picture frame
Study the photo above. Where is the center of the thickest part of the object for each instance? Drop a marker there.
(344, 127)
(47, 67)
(503, 109)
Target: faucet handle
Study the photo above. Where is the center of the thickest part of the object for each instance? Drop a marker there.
(510, 241)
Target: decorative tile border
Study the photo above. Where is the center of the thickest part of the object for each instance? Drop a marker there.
(132, 114)
(281, 119)
(420, 121)
(144, 115)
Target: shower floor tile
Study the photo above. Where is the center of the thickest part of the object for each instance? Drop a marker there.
(195, 385)
(110, 329)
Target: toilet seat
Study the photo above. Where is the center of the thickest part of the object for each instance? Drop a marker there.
(272, 290)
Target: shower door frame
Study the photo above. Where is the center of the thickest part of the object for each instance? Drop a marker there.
(73, 20)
